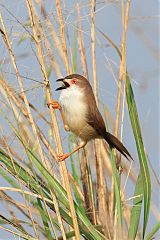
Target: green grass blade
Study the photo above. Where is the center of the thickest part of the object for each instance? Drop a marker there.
(116, 189)
(69, 235)
(85, 225)
(152, 233)
(8, 178)
(136, 210)
(144, 170)
(19, 171)
(76, 174)
(23, 235)
(45, 220)
(86, 228)
(76, 178)
(62, 196)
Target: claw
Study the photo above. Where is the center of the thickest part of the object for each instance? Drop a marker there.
(48, 105)
(62, 157)
(54, 104)
(66, 127)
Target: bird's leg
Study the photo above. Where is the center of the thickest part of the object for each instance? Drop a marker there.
(64, 156)
(56, 105)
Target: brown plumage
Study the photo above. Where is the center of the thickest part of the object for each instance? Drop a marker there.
(81, 115)
(96, 121)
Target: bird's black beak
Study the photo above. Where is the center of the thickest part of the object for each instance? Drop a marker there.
(64, 86)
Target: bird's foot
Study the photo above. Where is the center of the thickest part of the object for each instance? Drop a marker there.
(54, 105)
(66, 127)
(62, 157)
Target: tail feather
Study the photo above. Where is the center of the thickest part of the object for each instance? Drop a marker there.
(115, 143)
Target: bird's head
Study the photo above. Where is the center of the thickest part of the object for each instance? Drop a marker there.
(73, 81)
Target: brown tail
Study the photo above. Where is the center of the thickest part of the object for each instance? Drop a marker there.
(115, 143)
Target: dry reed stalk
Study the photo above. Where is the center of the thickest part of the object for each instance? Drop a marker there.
(108, 168)
(63, 169)
(61, 25)
(13, 215)
(16, 204)
(54, 35)
(26, 132)
(84, 163)
(81, 45)
(122, 75)
(12, 97)
(19, 206)
(21, 183)
(122, 72)
(16, 173)
(10, 201)
(42, 63)
(48, 46)
(92, 2)
(64, 47)
(26, 203)
(13, 101)
(6, 146)
(31, 218)
(99, 190)
(61, 225)
(126, 169)
(77, 187)
(123, 67)
(87, 187)
(8, 45)
(17, 234)
(107, 164)
(53, 32)
(53, 62)
(101, 186)
(122, 119)
(126, 215)
(29, 193)
(103, 211)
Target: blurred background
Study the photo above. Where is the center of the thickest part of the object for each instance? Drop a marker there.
(142, 65)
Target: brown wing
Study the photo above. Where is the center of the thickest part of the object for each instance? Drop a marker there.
(94, 117)
(96, 121)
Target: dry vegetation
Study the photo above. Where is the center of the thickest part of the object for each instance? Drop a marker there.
(45, 199)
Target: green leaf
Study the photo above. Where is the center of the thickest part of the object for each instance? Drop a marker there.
(8, 178)
(116, 188)
(68, 235)
(76, 178)
(144, 170)
(85, 224)
(24, 234)
(136, 210)
(86, 227)
(153, 231)
(45, 220)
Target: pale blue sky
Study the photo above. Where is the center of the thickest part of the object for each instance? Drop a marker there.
(142, 63)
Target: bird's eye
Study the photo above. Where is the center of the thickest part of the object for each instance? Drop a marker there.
(73, 81)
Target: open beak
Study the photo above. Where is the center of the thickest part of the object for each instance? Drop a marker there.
(64, 84)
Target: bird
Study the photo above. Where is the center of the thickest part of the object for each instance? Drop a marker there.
(80, 114)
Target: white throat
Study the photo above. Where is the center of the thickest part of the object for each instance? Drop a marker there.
(74, 106)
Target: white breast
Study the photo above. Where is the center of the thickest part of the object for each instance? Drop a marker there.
(75, 109)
